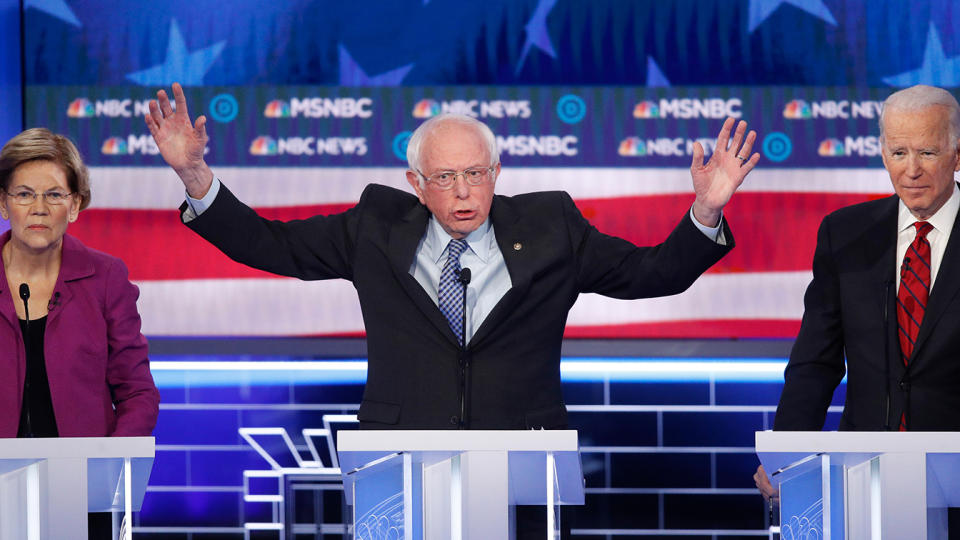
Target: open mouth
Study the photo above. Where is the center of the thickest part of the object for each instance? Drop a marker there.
(465, 214)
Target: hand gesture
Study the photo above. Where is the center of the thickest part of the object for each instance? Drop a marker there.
(715, 181)
(181, 144)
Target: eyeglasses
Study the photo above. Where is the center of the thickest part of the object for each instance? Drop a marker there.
(473, 176)
(26, 197)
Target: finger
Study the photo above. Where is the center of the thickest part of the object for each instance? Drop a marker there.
(180, 99)
(738, 137)
(748, 144)
(164, 101)
(151, 125)
(155, 113)
(724, 137)
(697, 157)
(201, 128)
(749, 164)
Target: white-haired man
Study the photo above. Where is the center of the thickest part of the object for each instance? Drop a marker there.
(530, 256)
(884, 290)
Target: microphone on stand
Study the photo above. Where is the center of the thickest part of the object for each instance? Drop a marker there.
(25, 295)
(464, 277)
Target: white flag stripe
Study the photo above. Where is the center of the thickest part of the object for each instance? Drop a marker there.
(270, 307)
(159, 188)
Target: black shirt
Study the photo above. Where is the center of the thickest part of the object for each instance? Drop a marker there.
(36, 414)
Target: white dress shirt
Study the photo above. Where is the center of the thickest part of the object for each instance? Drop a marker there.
(942, 222)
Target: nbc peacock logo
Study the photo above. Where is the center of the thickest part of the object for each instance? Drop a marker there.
(632, 147)
(831, 148)
(277, 108)
(426, 108)
(264, 146)
(114, 146)
(646, 109)
(81, 108)
(797, 109)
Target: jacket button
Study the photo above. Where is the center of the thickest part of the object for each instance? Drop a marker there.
(905, 386)
(454, 420)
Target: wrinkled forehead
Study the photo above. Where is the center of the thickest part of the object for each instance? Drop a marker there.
(455, 145)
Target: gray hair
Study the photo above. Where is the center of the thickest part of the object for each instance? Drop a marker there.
(415, 145)
(920, 97)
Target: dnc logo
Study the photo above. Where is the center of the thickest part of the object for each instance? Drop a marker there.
(831, 147)
(114, 146)
(632, 146)
(646, 109)
(797, 109)
(426, 108)
(81, 108)
(277, 109)
(264, 146)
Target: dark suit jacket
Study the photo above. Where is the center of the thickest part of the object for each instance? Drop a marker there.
(413, 381)
(850, 309)
(96, 357)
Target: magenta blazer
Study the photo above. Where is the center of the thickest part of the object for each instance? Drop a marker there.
(96, 357)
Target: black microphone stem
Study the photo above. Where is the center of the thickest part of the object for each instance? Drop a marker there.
(886, 355)
(464, 278)
(25, 295)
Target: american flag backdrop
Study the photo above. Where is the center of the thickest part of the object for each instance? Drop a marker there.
(310, 101)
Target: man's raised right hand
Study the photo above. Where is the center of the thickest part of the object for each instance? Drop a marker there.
(181, 143)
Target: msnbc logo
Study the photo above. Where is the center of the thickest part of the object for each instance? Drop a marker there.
(114, 146)
(831, 147)
(81, 108)
(644, 109)
(277, 109)
(797, 110)
(263, 146)
(426, 108)
(632, 146)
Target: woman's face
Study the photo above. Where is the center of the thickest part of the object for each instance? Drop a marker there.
(40, 225)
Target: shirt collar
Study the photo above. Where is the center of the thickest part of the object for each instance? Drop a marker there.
(479, 241)
(942, 220)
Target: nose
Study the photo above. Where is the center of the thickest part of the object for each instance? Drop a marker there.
(460, 186)
(913, 166)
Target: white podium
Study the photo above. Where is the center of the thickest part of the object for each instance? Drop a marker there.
(456, 484)
(863, 485)
(47, 486)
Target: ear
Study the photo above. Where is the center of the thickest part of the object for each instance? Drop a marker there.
(74, 211)
(414, 180)
(496, 173)
(956, 157)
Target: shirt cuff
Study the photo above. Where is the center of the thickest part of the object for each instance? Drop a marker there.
(195, 207)
(713, 233)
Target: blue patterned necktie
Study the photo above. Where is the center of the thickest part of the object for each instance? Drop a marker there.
(450, 292)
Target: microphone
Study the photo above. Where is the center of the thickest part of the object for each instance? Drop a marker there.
(463, 276)
(25, 295)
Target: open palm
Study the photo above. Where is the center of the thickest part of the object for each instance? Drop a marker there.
(715, 181)
(181, 143)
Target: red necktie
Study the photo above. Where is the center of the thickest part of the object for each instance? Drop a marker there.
(913, 294)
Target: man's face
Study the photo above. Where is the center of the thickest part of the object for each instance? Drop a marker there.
(921, 158)
(462, 208)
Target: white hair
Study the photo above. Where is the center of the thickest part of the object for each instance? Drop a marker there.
(920, 97)
(415, 145)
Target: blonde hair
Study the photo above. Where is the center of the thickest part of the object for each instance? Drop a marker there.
(41, 144)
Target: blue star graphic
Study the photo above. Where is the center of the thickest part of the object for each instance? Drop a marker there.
(655, 77)
(936, 69)
(187, 68)
(761, 9)
(54, 8)
(351, 74)
(537, 34)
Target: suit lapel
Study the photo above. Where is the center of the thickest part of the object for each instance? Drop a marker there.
(883, 252)
(944, 290)
(515, 243)
(402, 248)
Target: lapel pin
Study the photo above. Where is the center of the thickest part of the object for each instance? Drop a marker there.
(517, 246)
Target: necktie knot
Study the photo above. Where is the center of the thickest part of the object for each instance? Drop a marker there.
(456, 248)
(923, 227)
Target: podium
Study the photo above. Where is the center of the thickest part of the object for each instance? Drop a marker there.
(863, 485)
(460, 485)
(47, 486)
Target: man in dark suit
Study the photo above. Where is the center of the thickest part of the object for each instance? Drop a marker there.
(884, 290)
(530, 256)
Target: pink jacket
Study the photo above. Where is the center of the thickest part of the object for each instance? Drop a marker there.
(96, 357)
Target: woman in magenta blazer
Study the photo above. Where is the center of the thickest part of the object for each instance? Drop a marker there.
(72, 358)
